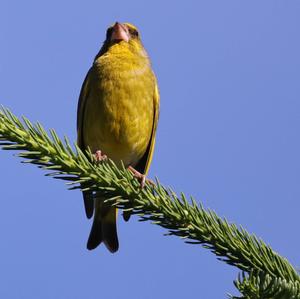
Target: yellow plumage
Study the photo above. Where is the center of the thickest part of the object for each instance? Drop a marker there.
(118, 113)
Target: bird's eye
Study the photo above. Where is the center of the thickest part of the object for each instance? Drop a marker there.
(109, 33)
(134, 32)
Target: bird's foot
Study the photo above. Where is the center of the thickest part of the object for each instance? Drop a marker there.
(141, 177)
(99, 156)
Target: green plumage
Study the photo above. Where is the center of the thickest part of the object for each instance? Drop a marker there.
(117, 114)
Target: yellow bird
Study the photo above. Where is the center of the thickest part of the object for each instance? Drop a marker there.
(117, 116)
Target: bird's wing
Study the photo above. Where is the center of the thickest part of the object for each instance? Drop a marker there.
(144, 163)
(84, 93)
(80, 111)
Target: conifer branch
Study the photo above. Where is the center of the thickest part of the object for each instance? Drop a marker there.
(182, 218)
(257, 285)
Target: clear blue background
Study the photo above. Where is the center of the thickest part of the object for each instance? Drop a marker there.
(229, 76)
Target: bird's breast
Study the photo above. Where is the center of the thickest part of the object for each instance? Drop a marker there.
(119, 112)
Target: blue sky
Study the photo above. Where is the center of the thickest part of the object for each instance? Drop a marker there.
(228, 134)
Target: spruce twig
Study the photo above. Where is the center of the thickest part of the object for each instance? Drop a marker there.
(156, 203)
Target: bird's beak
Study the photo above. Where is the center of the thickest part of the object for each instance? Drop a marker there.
(120, 32)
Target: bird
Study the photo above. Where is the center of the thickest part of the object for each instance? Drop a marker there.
(117, 117)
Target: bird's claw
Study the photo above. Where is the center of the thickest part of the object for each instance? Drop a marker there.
(141, 177)
(99, 156)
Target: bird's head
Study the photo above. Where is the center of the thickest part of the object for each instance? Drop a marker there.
(122, 36)
(122, 33)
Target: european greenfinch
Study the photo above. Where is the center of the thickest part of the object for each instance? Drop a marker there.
(117, 116)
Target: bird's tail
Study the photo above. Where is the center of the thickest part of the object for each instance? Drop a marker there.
(104, 227)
